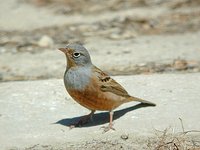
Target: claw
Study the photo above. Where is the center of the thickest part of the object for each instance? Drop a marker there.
(82, 121)
(107, 128)
(110, 126)
(71, 127)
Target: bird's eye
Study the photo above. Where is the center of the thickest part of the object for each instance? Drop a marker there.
(76, 55)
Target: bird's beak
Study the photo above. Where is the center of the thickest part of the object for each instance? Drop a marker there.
(62, 49)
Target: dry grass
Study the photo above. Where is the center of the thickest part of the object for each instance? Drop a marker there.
(168, 140)
(171, 140)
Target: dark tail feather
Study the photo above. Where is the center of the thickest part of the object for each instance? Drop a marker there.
(141, 100)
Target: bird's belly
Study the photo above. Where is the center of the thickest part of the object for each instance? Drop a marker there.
(95, 100)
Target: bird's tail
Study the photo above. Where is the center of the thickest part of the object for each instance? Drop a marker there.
(141, 100)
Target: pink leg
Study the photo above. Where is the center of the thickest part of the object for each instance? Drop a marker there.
(110, 126)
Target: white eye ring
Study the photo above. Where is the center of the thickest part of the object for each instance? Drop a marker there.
(76, 55)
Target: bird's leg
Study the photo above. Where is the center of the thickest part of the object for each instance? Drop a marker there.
(83, 120)
(110, 126)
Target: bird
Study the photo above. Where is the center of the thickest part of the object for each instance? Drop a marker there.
(91, 87)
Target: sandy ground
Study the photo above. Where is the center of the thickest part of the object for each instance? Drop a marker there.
(140, 37)
(36, 115)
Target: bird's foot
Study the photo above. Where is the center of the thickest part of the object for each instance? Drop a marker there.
(107, 128)
(83, 120)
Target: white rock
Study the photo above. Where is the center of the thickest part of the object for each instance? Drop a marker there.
(45, 41)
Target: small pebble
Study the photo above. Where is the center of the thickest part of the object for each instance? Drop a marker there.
(180, 64)
(124, 136)
(45, 41)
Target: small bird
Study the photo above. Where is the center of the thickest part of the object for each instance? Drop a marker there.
(91, 87)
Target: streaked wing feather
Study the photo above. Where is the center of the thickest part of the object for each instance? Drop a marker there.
(109, 84)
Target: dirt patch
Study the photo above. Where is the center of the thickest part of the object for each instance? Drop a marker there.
(162, 140)
(93, 6)
(113, 29)
(118, 21)
(183, 18)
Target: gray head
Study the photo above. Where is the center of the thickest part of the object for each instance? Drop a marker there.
(77, 55)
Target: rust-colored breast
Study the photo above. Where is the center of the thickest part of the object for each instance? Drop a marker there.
(93, 98)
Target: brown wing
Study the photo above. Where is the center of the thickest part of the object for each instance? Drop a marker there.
(107, 84)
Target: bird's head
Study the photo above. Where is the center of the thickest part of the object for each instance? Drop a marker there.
(77, 55)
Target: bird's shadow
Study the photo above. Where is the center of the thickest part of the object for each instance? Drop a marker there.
(99, 118)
